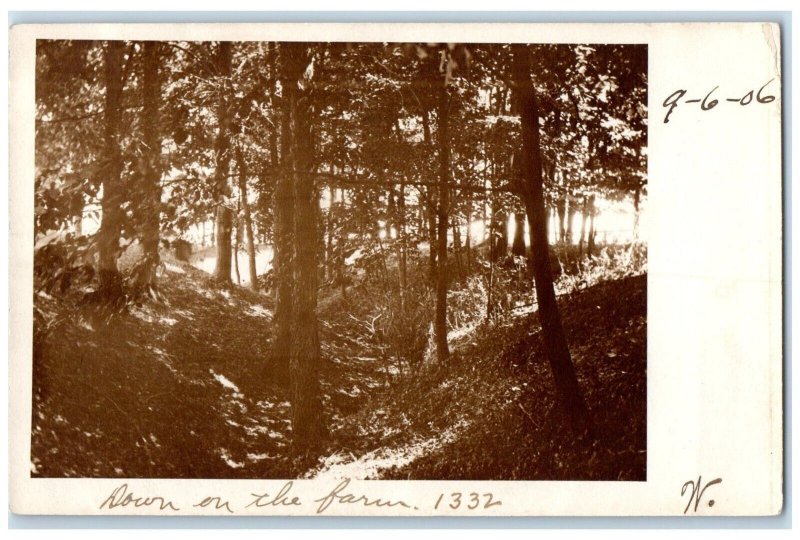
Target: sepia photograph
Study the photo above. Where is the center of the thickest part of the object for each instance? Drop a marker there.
(396, 270)
(340, 260)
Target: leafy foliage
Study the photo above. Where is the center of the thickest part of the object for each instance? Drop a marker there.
(374, 151)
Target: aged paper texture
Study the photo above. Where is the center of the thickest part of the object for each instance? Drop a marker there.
(396, 269)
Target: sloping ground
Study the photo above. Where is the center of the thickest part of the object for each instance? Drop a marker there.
(491, 413)
(172, 390)
(183, 390)
(179, 389)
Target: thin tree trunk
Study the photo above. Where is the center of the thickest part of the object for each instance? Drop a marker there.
(151, 186)
(492, 257)
(248, 219)
(430, 203)
(457, 247)
(224, 217)
(328, 263)
(391, 208)
(468, 243)
(590, 241)
(237, 242)
(636, 198)
(113, 193)
(443, 209)
(401, 219)
(273, 90)
(518, 246)
(555, 342)
(583, 228)
(401, 204)
(384, 267)
(501, 226)
(561, 212)
(571, 212)
(487, 202)
(430, 212)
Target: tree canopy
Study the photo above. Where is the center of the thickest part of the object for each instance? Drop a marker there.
(396, 166)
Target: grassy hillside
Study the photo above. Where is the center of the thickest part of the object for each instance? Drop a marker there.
(183, 389)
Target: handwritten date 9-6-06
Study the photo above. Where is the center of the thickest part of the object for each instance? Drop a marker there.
(709, 101)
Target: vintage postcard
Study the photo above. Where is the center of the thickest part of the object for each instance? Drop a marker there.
(396, 269)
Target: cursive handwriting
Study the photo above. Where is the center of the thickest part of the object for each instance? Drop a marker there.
(339, 496)
(342, 494)
(281, 499)
(217, 502)
(697, 491)
(121, 497)
(709, 102)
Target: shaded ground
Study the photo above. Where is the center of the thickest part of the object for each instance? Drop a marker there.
(490, 414)
(182, 390)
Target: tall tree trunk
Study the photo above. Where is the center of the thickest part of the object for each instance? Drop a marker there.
(307, 423)
(151, 178)
(561, 212)
(468, 242)
(571, 212)
(113, 192)
(391, 207)
(248, 219)
(430, 212)
(401, 219)
(487, 199)
(236, 243)
(273, 91)
(555, 342)
(339, 246)
(501, 232)
(283, 245)
(330, 227)
(224, 214)
(443, 209)
(635, 235)
(518, 247)
(492, 258)
(583, 227)
(590, 241)
(430, 202)
(636, 198)
(274, 172)
(457, 247)
(402, 233)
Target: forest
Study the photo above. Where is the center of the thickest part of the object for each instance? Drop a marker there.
(360, 260)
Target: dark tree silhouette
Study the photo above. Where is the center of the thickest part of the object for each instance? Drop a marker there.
(113, 190)
(224, 214)
(308, 425)
(531, 188)
(150, 186)
(442, 213)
